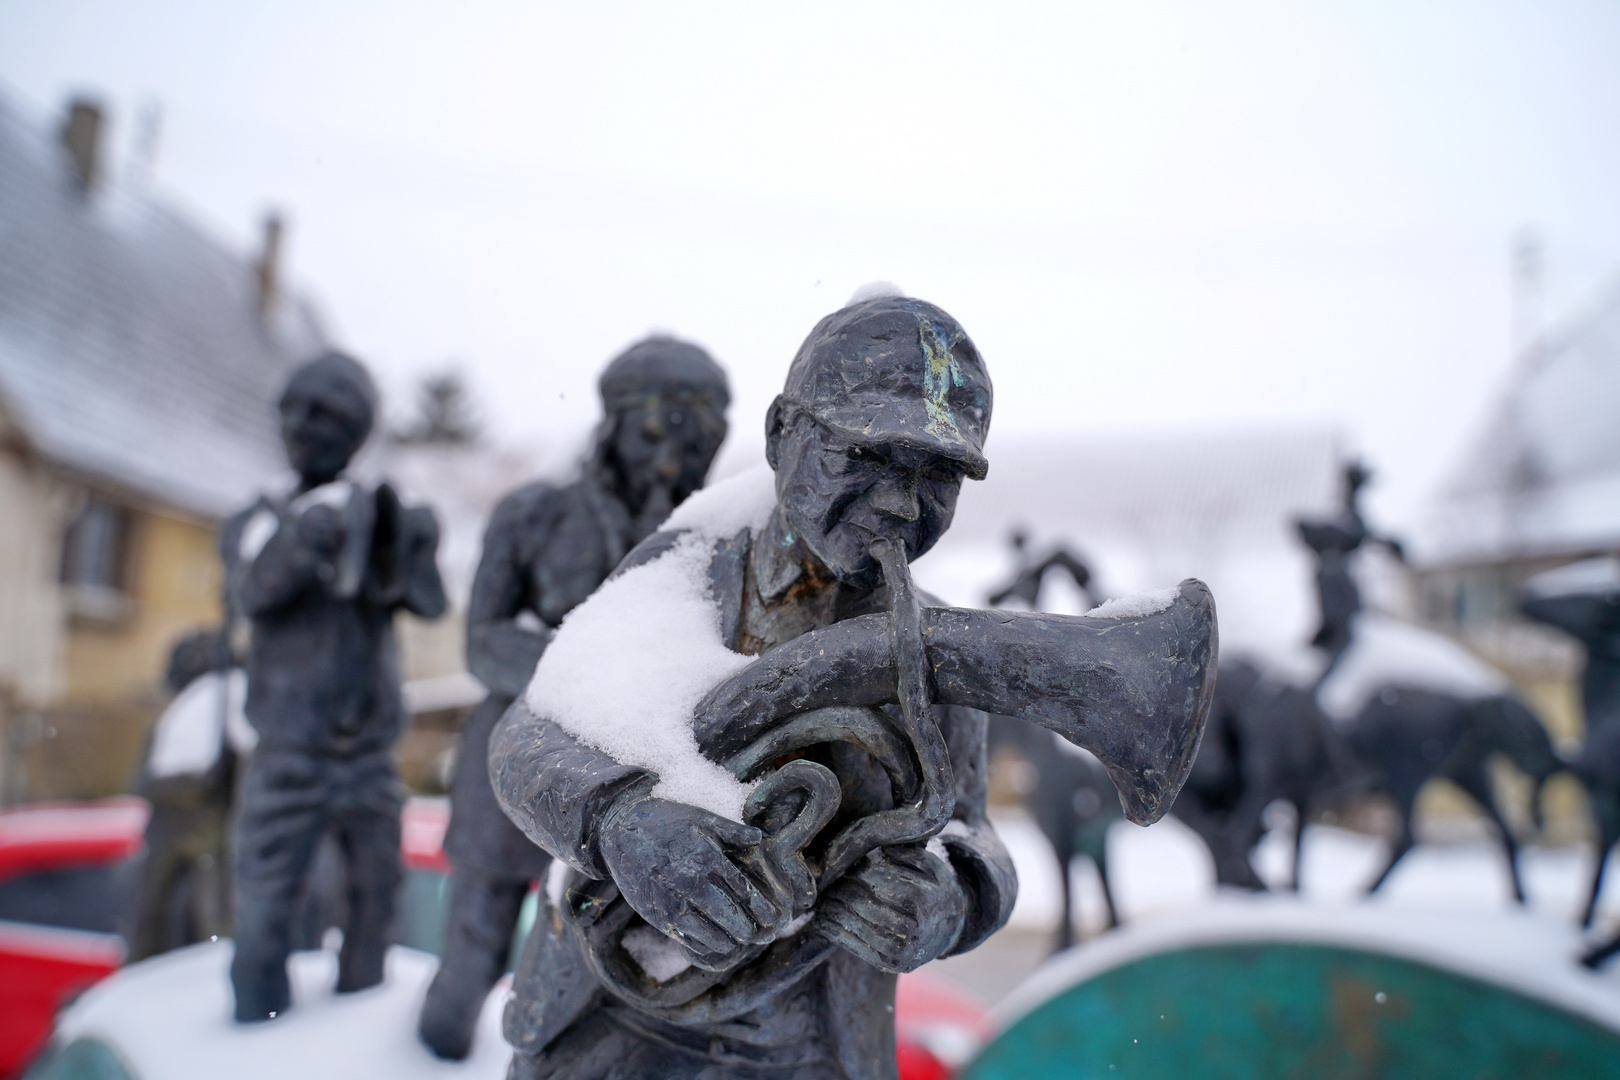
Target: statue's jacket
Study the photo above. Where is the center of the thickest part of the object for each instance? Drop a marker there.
(838, 1020)
(324, 669)
(546, 549)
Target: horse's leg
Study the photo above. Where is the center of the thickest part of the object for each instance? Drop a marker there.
(1403, 837)
(1065, 936)
(1478, 785)
(1606, 808)
(1095, 844)
(1594, 957)
(1108, 893)
(1300, 810)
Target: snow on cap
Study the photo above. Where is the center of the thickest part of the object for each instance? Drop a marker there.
(874, 290)
(892, 369)
(663, 367)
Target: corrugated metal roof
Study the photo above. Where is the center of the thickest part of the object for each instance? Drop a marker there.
(130, 344)
(1542, 475)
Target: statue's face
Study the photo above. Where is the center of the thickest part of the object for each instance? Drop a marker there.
(839, 496)
(320, 437)
(667, 447)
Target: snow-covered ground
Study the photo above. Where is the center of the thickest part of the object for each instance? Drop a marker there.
(169, 1018)
(1165, 868)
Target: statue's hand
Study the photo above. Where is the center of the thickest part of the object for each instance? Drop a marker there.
(681, 868)
(421, 526)
(896, 911)
(320, 529)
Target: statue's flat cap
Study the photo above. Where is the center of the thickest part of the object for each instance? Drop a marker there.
(663, 366)
(900, 371)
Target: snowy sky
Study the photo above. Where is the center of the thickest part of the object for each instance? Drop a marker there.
(1148, 215)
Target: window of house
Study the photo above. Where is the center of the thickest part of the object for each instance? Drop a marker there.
(95, 555)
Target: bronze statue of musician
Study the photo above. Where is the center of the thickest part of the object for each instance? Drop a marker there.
(762, 939)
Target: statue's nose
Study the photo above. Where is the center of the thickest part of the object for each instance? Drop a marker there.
(895, 498)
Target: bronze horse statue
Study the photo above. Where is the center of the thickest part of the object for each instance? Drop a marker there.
(1583, 600)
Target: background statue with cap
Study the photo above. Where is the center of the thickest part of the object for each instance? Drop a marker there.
(546, 549)
(761, 753)
(189, 776)
(319, 573)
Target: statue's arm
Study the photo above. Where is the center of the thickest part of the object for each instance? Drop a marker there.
(279, 572)
(555, 788)
(980, 860)
(424, 588)
(501, 654)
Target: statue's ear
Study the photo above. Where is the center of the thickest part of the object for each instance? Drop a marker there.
(775, 417)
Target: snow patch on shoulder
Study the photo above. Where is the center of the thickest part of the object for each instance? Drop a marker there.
(874, 290)
(1384, 652)
(190, 734)
(744, 501)
(1134, 607)
(627, 668)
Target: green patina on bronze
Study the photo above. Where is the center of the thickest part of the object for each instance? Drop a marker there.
(940, 375)
(1289, 1011)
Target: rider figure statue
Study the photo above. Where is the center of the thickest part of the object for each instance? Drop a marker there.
(1335, 540)
(546, 549)
(1029, 579)
(1583, 600)
(320, 573)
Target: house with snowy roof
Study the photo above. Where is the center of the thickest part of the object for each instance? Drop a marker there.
(1537, 486)
(138, 357)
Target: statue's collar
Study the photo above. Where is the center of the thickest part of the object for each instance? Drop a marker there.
(778, 558)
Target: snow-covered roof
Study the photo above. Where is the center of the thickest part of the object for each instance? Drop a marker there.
(1541, 476)
(131, 348)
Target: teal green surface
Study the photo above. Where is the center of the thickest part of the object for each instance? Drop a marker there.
(82, 1059)
(1311, 1012)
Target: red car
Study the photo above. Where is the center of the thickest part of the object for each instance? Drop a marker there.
(65, 872)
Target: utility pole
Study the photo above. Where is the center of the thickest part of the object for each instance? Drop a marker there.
(1528, 292)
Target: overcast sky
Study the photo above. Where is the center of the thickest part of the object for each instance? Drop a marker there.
(1148, 215)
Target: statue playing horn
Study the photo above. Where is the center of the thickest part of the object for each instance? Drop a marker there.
(760, 751)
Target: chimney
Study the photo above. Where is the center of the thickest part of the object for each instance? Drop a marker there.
(81, 135)
(267, 271)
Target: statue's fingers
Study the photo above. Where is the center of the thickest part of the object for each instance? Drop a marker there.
(884, 910)
(765, 903)
(697, 954)
(700, 934)
(712, 901)
(845, 926)
(734, 833)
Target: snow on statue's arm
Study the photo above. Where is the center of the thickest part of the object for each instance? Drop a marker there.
(612, 699)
